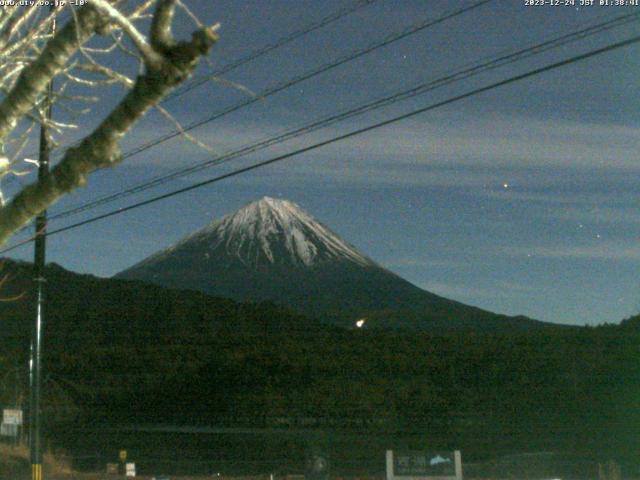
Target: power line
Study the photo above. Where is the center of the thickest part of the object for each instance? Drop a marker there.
(316, 125)
(411, 30)
(345, 136)
(394, 37)
(258, 53)
(277, 44)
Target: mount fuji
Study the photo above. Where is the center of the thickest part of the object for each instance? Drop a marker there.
(272, 250)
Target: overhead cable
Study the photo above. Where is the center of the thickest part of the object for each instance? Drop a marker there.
(315, 146)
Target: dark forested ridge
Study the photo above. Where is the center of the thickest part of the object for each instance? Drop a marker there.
(84, 308)
(119, 351)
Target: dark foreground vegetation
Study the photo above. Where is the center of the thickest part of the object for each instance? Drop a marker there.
(125, 353)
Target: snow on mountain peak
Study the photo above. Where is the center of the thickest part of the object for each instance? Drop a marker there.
(269, 228)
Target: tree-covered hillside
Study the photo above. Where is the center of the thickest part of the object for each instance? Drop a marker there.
(125, 352)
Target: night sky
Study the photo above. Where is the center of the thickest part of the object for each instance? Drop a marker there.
(521, 200)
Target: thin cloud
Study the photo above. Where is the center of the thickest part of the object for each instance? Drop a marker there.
(457, 291)
(493, 140)
(600, 215)
(424, 263)
(445, 150)
(607, 251)
(460, 291)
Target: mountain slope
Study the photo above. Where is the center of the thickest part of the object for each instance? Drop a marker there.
(273, 250)
(83, 308)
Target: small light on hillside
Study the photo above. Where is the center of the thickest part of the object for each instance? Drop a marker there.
(360, 323)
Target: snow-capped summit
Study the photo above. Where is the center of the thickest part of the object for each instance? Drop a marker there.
(278, 231)
(273, 250)
(267, 231)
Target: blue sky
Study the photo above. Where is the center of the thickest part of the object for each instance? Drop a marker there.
(522, 200)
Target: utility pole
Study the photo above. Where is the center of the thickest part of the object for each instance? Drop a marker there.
(35, 364)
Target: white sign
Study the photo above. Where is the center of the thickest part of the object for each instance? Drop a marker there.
(12, 416)
(8, 430)
(131, 470)
(424, 465)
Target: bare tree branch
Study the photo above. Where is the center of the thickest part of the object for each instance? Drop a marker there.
(34, 78)
(161, 36)
(151, 56)
(101, 148)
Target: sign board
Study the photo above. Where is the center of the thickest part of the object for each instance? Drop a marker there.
(123, 455)
(131, 470)
(424, 465)
(12, 416)
(8, 430)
